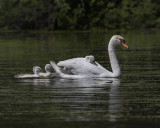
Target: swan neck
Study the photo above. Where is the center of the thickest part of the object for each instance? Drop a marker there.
(113, 59)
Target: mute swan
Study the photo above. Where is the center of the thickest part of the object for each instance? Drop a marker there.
(84, 67)
(36, 70)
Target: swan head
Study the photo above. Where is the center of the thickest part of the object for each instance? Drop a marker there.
(118, 40)
(48, 67)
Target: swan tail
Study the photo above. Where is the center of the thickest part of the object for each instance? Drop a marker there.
(56, 68)
(62, 75)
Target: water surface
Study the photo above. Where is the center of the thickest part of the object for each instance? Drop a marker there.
(132, 101)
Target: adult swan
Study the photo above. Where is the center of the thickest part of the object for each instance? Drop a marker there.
(82, 68)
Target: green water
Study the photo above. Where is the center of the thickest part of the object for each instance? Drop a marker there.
(132, 101)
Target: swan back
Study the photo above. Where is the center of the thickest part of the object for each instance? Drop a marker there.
(79, 66)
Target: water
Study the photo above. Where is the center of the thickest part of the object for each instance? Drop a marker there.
(132, 101)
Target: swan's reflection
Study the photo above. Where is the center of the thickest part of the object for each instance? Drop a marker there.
(84, 93)
(114, 100)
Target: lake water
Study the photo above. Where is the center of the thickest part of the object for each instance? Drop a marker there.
(130, 102)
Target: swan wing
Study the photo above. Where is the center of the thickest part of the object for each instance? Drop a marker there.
(70, 63)
(81, 66)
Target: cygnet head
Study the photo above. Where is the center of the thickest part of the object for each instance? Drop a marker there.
(118, 40)
(37, 70)
(48, 67)
(90, 59)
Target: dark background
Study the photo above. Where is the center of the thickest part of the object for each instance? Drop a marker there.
(78, 14)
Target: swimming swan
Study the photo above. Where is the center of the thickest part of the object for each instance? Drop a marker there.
(84, 68)
(36, 71)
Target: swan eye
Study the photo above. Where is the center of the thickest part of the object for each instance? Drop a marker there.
(122, 41)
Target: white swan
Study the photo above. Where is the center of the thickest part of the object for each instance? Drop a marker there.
(36, 70)
(80, 68)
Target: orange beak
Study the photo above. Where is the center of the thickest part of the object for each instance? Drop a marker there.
(125, 45)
